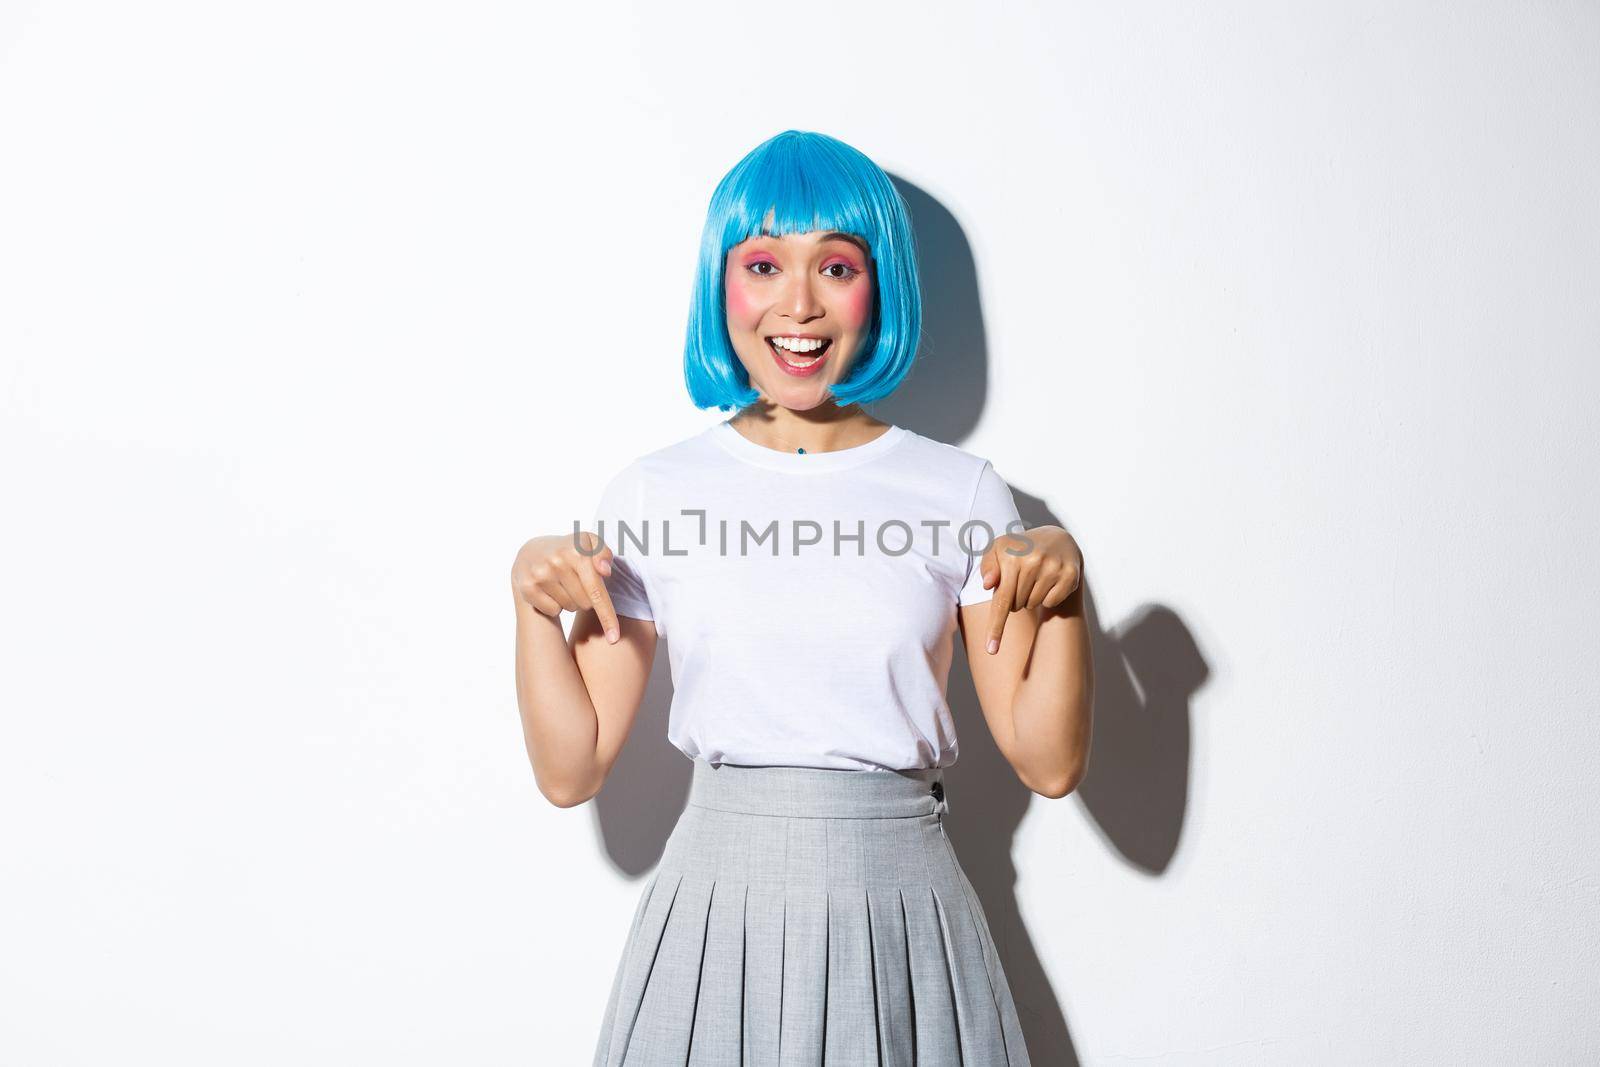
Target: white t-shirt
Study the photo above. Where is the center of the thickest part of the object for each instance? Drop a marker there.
(788, 646)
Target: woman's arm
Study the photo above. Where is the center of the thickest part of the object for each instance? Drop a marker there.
(1037, 689)
(578, 700)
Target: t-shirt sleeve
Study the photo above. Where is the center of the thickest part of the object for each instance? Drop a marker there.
(622, 502)
(992, 504)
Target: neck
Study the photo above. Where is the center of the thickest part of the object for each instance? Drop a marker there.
(826, 429)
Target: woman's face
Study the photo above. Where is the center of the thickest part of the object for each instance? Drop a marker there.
(787, 295)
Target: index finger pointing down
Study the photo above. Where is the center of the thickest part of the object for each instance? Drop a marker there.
(1000, 607)
(599, 596)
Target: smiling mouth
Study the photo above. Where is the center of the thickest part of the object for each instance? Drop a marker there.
(799, 352)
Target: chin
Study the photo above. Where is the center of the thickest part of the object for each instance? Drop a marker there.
(796, 396)
(796, 403)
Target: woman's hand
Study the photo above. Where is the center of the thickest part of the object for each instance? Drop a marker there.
(1045, 575)
(565, 571)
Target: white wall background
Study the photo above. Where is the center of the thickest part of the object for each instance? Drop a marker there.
(311, 313)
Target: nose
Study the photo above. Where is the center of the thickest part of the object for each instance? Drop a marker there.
(800, 299)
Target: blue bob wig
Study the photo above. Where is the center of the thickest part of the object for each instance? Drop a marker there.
(807, 181)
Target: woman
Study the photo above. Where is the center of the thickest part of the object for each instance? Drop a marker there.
(809, 565)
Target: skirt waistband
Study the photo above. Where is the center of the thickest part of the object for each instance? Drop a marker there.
(818, 792)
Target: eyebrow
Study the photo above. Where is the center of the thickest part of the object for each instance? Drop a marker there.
(831, 235)
(852, 238)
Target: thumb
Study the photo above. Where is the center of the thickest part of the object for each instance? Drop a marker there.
(599, 551)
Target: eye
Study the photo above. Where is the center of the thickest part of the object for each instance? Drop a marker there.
(753, 268)
(848, 271)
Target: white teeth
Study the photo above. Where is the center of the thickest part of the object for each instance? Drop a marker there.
(795, 344)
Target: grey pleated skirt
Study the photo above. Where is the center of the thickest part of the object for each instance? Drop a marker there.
(802, 915)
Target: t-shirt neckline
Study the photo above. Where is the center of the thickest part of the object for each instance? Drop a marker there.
(808, 462)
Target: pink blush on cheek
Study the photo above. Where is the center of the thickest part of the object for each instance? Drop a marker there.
(856, 305)
(738, 302)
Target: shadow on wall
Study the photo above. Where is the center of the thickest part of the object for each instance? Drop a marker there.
(1147, 670)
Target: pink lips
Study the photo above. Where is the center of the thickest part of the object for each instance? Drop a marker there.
(799, 372)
